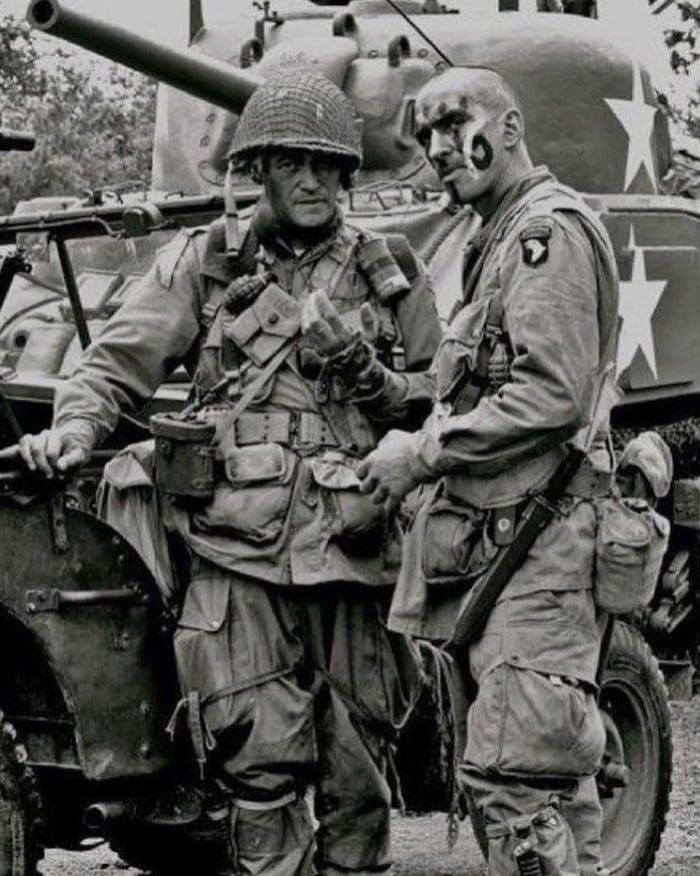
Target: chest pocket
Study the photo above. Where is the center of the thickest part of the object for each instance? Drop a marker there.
(459, 352)
(264, 327)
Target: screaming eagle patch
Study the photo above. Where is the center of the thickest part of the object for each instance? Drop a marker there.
(535, 243)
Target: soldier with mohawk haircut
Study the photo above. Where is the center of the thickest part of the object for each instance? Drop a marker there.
(519, 375)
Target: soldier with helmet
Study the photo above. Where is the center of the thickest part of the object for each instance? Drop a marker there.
(520, 374)
(289, 676)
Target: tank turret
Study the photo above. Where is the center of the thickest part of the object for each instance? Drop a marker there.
(582, 92)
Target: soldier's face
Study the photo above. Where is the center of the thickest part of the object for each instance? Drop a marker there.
(302, 187)
(463, 141)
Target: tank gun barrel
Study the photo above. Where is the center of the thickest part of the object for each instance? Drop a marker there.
(207, 78)
(16, 141)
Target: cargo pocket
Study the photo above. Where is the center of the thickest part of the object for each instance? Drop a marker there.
(453, 541)
(357, 523)
(630, 545)
(203, 647)
(527, 723)
(253, 503)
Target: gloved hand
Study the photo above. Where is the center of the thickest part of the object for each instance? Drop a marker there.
(395, 467)
(323, 329)
(349, 369)
(57, 450)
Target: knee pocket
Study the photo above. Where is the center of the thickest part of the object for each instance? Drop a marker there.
(522, 723)
(230, 638)
(544, 836)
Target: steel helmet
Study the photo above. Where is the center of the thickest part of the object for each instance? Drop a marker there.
(300, 109)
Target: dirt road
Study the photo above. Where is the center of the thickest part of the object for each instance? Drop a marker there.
(420, 846)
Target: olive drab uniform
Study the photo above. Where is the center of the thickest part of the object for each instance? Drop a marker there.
(519, 373)
(280, 646)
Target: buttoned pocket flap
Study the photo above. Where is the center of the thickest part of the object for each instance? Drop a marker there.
(241, 329)
(254, 463)
(276, 312)
(630, 546)
(334, 474)
(206, 605)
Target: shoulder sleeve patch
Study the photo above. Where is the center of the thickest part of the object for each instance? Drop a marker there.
(534, 241)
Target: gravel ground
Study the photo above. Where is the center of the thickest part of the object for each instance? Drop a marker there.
(419, 842)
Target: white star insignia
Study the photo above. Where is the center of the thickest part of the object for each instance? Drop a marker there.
(639, 298)
(637, 118)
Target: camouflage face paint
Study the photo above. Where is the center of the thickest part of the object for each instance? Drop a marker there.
(482, 152)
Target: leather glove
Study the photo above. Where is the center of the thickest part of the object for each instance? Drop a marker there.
(349, 370)
(323, 329)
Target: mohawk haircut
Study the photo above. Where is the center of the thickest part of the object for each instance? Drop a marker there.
(481, 85)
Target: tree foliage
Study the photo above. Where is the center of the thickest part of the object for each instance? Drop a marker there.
(92, 133)
(684, 51)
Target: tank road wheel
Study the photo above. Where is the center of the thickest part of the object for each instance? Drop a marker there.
(21, 825)
(635, 707)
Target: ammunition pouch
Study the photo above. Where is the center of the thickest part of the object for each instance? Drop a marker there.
(264, 327)
(253, 502)
(184, 456)
(357, 523)
(630, 545)
(300, 430)
(454, 546)
(458, 540)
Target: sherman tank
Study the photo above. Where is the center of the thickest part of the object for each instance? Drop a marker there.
(83, 748)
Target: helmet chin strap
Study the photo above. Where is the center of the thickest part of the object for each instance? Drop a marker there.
(231, 226)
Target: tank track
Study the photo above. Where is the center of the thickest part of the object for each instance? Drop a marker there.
(683, 438)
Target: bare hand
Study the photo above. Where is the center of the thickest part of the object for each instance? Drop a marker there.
(391, 471)
(52, 451)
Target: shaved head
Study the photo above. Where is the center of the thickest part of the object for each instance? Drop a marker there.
(470, 123)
